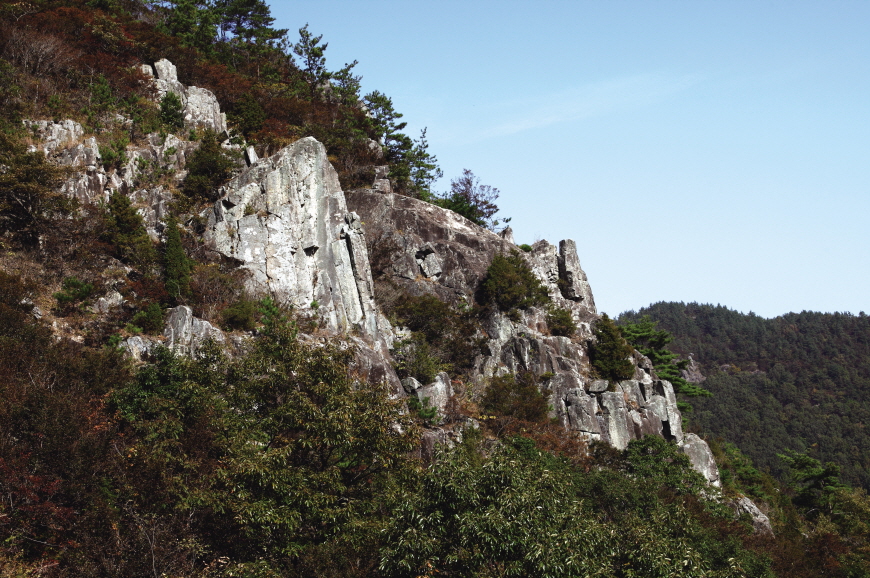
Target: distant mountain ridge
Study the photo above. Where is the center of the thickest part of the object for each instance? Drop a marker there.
(799, 381)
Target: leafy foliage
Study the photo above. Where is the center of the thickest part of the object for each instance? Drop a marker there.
(610, 354)
(510, 284)
(171, 111)
(522, 512)
(516, 396)
(241, 315)
(149, 319)
(28, 197)
(472, 200)
(302, 450)
(208, 168)
(126, 231)
(73, 291)
(450, 335)
(561, 322)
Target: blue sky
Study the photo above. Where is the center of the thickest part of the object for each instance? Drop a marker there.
(696, 151)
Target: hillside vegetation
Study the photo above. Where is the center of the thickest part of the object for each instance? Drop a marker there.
(272, 456)
(799, 381)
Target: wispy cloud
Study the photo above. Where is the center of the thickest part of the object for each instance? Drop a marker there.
(587, 101)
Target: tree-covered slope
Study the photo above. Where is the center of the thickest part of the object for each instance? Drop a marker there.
(798, 381)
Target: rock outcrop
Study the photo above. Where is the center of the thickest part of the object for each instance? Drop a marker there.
(760, 522)
(285, 220)
(427, 249)
(692, 373)
(186, 334)
(200, 106)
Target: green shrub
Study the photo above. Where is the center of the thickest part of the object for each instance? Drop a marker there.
(415, 359)
(126, 230)
(114, 153)
(73, 292)
(29, 201)
(248, 114)
(517, 396)
(149, 319)
(423, 410)
(172, 111)
(241, 315)
(450, 334)
(610, 353)
(510, 284)
(526, 248)
(561, 322)
(208, 168)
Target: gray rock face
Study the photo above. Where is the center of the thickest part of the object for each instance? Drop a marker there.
(55, 135)
(138, 348)
(702, 459)
(372, 364)
(630, 412)
(185, 333)
(201, 107)
(438, 393)
(89, 185)
(110, 301)
(760, 522)
(433, 250)
(575, 286)
(692, 373)
(285, 220)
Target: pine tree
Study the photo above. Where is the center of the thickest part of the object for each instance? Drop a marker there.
(176, 265)
(611, 353)
(652, 343)
(126, 230)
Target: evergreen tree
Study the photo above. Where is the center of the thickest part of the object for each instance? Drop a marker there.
(171, 111)
(652, 343)
(126, 230)
(176, 265)
(193, 22)
(611, 353)
(313, 62)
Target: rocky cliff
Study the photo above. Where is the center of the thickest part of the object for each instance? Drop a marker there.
(302, 240)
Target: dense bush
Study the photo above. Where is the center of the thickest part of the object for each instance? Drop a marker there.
(126, 231)
(510, 284)
(522, 512)
(29, 200)
(414, 358)
(241, 315)
(561, 322)
(149, 319)
(171, 111)
(450, 334)
(72, 292)
(208, 167)
(176, 265)
(516, 396)
(610, 354)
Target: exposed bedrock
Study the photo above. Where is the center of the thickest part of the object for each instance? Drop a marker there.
(285, 220)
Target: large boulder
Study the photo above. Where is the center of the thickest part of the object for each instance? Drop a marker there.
(701, 458)
(285, 220)
(186, 334)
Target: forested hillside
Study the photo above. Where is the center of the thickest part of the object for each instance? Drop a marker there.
(800, 381)
(163, 415)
